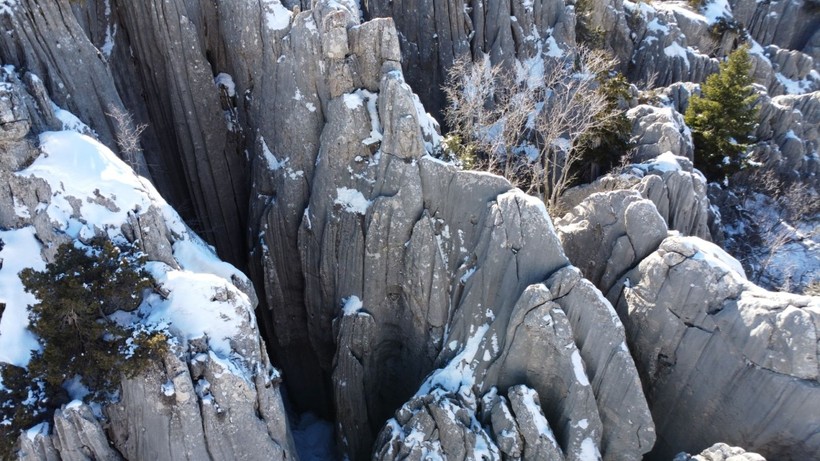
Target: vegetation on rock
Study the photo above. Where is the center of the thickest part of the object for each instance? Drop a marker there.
(536, 123)
(79, 341)
(723, 118)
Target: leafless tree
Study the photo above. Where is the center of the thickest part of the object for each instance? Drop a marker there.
(532, 121)
(128, 138)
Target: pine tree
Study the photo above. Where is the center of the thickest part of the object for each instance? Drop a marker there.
(722, 119)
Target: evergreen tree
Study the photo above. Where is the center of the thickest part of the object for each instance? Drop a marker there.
(722, 119)
(76, 295)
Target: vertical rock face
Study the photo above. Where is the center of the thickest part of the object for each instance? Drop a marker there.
(434, 33)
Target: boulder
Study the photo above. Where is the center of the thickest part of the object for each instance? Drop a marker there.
(697, 328)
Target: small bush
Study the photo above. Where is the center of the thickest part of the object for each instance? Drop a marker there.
(77, 293)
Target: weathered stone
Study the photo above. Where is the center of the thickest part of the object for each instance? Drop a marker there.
(697, 328)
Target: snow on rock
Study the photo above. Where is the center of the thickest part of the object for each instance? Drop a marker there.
(7, 6)
(277, 17)
(714, 10)
(79, 167)
(19, 250)
(224, 80)
(93, 192)
(198, 305)
(714, 255)
(351, 200)
(352, 306)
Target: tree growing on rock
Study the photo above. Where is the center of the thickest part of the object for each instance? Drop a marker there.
(76, 295)
(723, 118)
(533, 122)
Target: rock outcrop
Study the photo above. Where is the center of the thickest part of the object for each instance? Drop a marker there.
(215, 395)
(697, 328)
(678, 194)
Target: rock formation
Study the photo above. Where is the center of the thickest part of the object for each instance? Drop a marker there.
(425, 309)
(215, 395)
(700, 332)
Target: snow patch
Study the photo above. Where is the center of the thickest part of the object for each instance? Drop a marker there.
(277, 17)
(226, 81)
(7, 6)
(713, 255)
(589, 452)
(578, 368)
(353, 100)
(197, 305)
(351, 200)
(21, 250)
(352, 305)
(40, 429)
(70, 121)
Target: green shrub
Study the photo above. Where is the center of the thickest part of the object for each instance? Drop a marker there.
(77, 293)
(723, 118)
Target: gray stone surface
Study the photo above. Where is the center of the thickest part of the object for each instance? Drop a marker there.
(658, 130)
(699, 329)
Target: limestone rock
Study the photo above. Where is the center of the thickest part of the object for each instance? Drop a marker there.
(79, 435)
(659, 130)
(696, 327)
(678, 192)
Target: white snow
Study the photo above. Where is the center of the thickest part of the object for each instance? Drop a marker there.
(429, 127)
(665, 162)
(713, 10)
(578, 368)
(192, 256)
(198, 305)
(75, 388)
(458, 375)
(70, 121)
(553, 49)
(7, 6)
(375, 124)
(201, 300)
(73, 405)
(656, 26)
(20, 209)
(226, 81)
(351, 200)
(275, 164)
(589, 452)
(78, 166)
(110, 32)
(793, 86)
(21, 250)
(539, 420)
(277, 17)
(352, 306)
(39, 429)
(353, 100)
(675, 50)
(168, 388)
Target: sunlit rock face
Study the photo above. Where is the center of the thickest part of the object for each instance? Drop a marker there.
(705, 340)
(425, 309)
